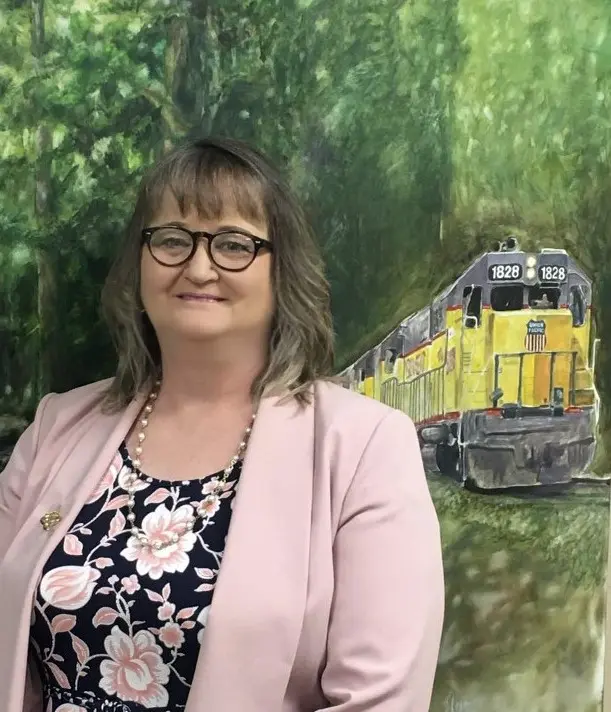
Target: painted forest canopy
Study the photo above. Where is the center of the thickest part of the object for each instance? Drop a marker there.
(417, 132)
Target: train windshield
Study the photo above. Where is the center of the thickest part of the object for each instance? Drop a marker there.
(543, 297)
(510, 297)
(507, 297)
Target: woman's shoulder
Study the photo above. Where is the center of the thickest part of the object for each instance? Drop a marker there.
(94, 391)
(58, 416)
(58, 408)
(90, 394)
(353, 412)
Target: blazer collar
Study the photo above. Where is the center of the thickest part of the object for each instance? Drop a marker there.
(259, 601)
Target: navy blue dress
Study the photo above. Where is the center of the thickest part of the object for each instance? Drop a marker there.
(118, 626)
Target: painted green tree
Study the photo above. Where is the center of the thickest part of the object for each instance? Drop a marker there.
(417, 132)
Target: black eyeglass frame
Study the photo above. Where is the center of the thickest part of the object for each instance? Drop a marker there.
(196, 236)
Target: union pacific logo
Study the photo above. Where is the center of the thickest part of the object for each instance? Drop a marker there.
(536, 339)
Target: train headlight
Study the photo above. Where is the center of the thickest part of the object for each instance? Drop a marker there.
(530, 273)
(531, 261)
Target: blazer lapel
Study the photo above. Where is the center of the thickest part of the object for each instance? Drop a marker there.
(83, 460)
(257, 611)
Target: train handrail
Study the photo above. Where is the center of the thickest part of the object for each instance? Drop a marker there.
(409, 395)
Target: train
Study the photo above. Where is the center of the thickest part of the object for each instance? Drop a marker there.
(497, 371)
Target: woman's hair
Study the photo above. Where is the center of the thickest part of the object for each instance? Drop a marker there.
(210, 175)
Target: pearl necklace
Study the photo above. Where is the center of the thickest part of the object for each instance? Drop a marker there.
(201, 510)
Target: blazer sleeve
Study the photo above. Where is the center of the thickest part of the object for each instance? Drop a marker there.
(13, 483)
(14, 477)
(387, 613)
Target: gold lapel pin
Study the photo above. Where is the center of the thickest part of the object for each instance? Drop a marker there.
(50, 520)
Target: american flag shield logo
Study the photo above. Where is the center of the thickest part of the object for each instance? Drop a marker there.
(535, 335)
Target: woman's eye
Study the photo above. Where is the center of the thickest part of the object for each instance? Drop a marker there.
(173, 242)
(233, 246)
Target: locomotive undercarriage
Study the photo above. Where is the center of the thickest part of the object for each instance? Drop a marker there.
(514, 447)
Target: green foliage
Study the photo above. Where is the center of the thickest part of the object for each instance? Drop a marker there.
(415, 132)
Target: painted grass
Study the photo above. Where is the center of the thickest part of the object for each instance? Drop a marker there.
(524, 600)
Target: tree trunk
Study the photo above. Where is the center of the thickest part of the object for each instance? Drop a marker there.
(174, 62)
(46, 273)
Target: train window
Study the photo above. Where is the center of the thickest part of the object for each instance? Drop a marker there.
(543, 297)
(473, 298)
(577, 305)
(438, 318)
(390, 357)
(507, 297)
(369, 367)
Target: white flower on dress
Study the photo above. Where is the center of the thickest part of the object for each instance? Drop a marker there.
(210, 505)
(166, 611)
(161, 525)
(125, 478)
(135, 671)
(210, 486)
(69, 587)
(171, 635)
(70, 708)
(130, 584)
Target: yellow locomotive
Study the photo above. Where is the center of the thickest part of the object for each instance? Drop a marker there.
(497, 372)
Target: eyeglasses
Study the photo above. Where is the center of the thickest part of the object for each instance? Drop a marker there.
(231, 250)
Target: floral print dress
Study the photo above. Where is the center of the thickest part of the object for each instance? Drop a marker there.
(117, 627)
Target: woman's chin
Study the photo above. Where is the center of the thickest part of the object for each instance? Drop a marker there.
(199, 329)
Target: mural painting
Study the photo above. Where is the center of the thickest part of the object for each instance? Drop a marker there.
(454, 158)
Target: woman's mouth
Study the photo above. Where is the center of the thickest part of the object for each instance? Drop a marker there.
(195, 297)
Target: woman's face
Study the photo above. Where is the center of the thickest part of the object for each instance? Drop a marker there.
(198, 300)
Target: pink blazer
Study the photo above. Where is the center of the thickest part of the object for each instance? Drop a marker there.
(348, 615)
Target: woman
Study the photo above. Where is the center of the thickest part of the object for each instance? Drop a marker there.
(218, 528)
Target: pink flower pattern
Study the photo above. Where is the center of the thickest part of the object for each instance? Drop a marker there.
(68, 587)
(135, 671)
(161, 524)
(118, 626)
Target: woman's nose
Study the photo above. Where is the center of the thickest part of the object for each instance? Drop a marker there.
(200, 267)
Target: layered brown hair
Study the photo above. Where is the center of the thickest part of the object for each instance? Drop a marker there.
(209, 175)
